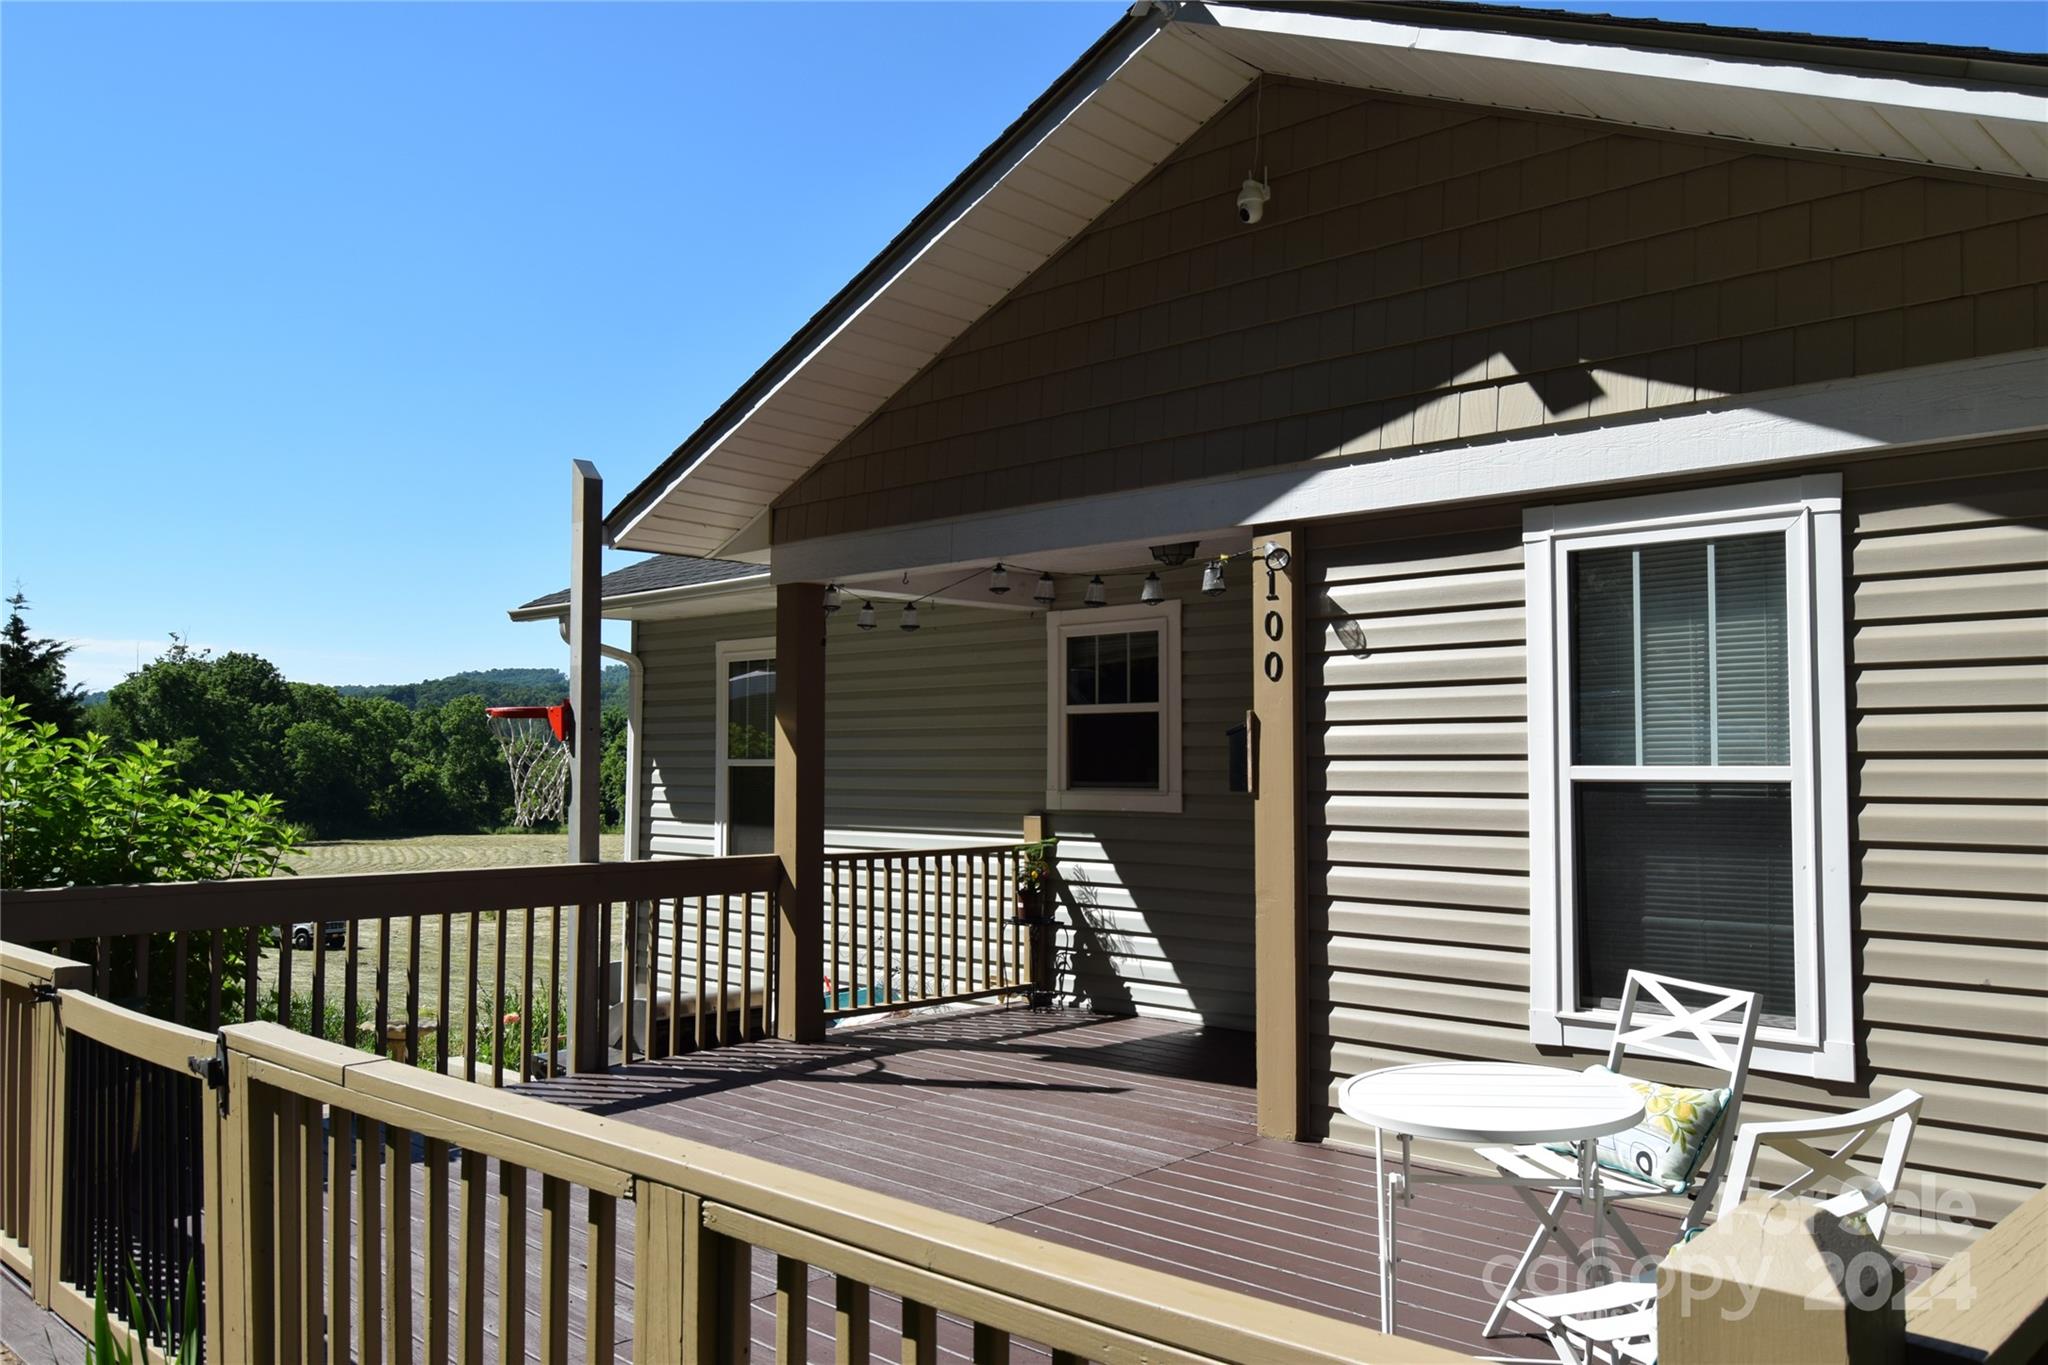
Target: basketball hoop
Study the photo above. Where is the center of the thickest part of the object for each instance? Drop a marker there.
(536, 744)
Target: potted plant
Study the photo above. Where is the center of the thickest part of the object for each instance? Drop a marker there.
(1034, 881)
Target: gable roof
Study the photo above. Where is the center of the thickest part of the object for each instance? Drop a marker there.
(1164, 71)
(658, 574)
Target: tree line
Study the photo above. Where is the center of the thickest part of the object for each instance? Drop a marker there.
(416, 758)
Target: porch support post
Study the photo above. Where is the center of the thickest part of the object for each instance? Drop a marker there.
(800, 808)
(1274, 733)
(587, 984)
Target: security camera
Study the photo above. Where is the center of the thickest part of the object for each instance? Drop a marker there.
(1251, 200)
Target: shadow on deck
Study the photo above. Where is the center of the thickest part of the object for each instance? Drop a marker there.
(1132, 1138)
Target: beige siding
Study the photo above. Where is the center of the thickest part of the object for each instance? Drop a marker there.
(1419, 902)
(1426, 274)
(939, 738)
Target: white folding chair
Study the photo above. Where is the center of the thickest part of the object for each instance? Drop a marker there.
(1718, 1032)
(1619, 1321)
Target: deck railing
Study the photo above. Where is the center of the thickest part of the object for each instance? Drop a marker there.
(347, 1207)
(907, 928)
(466, 971)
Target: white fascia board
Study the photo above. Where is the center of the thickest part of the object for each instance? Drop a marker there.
(636, 605)
(1730, 74)
(1933, 405)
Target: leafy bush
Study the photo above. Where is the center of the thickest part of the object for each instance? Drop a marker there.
(74, 812)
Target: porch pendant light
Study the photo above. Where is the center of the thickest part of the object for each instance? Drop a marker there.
(1212, 578)
(1045, 591)
(1154, 592)
(1097, 595)
(866, 619)
(999, 580)
(910, 616)
(831, 598)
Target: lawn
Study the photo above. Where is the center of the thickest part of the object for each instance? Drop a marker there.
(339, 857)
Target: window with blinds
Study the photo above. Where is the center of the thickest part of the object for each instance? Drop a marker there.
(1678, 654)
(1688, 761)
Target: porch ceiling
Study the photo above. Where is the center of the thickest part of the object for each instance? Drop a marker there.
(1162, 73)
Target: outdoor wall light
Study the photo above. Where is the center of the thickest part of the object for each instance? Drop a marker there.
(831, 598)
(1097, 595)
(866, 619)
(999, 580)
(1277, 556)
(1153, 593)
(1212, 578)
(1046, 590)
(1176, 554)
(910, 616)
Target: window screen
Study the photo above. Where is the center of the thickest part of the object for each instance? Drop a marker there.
(1678, 653)
(1113, 712)
(1679, 657)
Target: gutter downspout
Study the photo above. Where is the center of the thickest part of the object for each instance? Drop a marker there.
(635, 683)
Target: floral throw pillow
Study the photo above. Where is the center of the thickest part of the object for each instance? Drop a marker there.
(1665, 1147)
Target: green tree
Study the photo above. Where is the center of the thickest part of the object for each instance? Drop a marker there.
(611, 771)
(32, 672)
(222, 719)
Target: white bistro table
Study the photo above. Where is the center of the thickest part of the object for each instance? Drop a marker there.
(1480, 1104)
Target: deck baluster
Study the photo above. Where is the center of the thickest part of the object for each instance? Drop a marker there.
(369, 1156)
(554, 1270)
(350, 1004)
(398, 1241)
(511, 1262)
(445, 1002)
(382, 1023)
(526, 996)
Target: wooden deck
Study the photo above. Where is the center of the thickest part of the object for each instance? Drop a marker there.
(1129, 1137)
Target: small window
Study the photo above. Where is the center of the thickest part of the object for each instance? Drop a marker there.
(1688, 779)
(1113, 739)
(745, 770)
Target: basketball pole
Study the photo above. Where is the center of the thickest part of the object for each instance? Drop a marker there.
(587, 984)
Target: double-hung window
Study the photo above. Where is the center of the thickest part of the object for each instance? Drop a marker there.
(744, 774)
(1688, 769)
(1113, 708)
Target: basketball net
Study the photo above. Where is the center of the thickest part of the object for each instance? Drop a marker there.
(537, 759)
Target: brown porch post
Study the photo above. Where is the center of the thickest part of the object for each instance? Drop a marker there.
(587, 985)
(800, 807)
(1276, 769)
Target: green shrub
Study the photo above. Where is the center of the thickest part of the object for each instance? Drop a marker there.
(73, 812)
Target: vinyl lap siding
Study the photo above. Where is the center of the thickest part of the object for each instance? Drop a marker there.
(939, 739)
(1419, 894)
(1162, 904)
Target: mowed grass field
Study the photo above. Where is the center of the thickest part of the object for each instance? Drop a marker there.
(428, 853)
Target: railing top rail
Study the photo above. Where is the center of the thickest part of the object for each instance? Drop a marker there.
(21, 966)
(860, 855)
(156, 1041)
(57, 914)
(1177, 1312)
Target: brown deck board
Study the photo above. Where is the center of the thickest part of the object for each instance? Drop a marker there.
(1133, 1138)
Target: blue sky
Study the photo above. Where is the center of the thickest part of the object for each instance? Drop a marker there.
(305, 308)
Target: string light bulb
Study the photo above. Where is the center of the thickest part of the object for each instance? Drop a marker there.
(910, 616)
(1096, 595)
(831, 598)
(1044, 593)
(1154, 592)
(866, 619)
(1212, 578)
(999, 580)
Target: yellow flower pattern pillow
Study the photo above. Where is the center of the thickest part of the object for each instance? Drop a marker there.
(1665, 1147)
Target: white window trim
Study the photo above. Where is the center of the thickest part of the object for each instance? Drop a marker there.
(1809, 510)
(760, 647)
(1061, 626)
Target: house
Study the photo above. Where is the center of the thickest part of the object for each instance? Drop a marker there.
(1619, 447)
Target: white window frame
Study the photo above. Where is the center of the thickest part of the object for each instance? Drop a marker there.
(760, 647)
(1061, 626)
(1808, 510)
